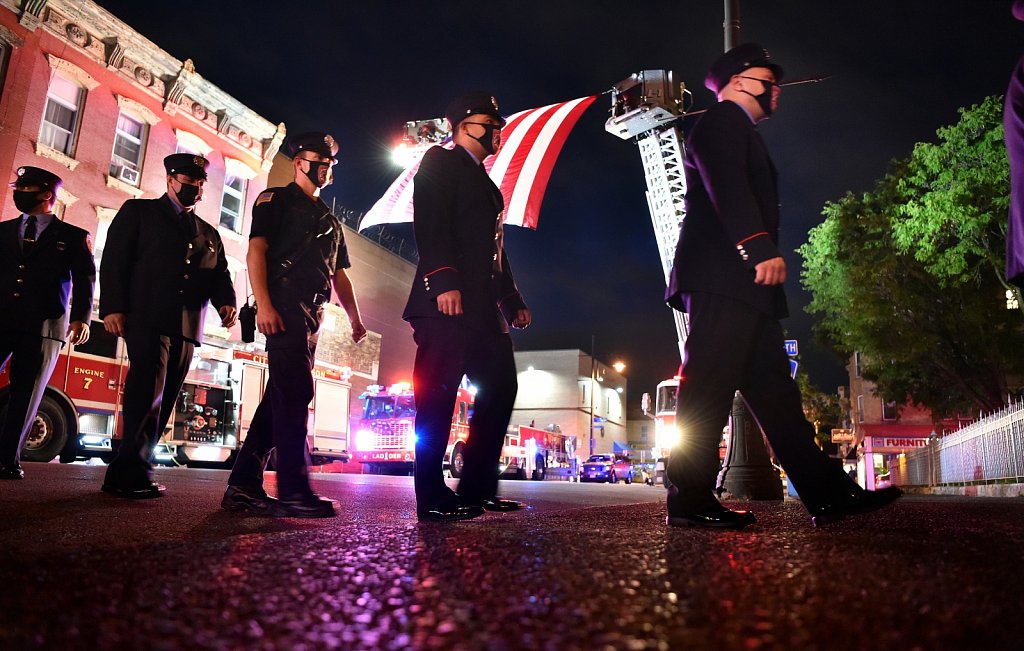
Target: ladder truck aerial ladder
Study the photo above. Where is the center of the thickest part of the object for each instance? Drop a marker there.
(647, 108)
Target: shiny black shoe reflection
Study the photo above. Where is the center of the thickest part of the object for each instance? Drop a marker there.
(449, 512)
(853, 504)
(242, 498)
(148, 491)
(304, 506)
(711, 518)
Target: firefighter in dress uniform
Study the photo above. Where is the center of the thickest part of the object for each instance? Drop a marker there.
(461, 303)
(296, 254)
(728, 275)
(44, 263)
(161, 265)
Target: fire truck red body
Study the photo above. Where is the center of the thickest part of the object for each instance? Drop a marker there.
(80, 414)
(530, 452)
(386, 438)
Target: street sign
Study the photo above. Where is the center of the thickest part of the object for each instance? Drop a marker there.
(791, 348)
(840, 435)
(792, 368)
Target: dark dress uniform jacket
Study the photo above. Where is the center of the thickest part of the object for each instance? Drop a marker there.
(732, 214)
(160, 275)
(458, 234)
(35, 289)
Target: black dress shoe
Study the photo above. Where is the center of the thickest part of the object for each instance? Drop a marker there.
(710, 518)
(144, 492)
(242, 498)
(853, 504)
(449, 513)
(11, 472)
(304, 506)
(501, 505)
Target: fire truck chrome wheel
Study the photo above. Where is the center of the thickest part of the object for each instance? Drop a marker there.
(49, 432)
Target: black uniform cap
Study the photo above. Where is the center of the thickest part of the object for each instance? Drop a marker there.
(188, 164)
(317, 142)
(478, 102)
(28, 176)
(735, 61)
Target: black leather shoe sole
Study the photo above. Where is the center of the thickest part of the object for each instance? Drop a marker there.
(864, 503)
(320, 508)
(501, 506)
(450, 515)
(243, 499)
(723, 520)
(142, 493)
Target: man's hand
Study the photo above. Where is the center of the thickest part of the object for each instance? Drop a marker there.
(522, 319)
(268, 320)
(78, 332)
(450, 302)
(770, 272)
(115, 323)
(358, 331)
(228, 315)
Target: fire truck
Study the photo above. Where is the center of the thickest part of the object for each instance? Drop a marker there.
(386, 439)
(529, 452)
(80, 413)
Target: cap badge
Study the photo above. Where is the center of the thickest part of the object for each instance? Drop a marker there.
(494, 103)
(329, 141)
(21, 171)
(199, 161)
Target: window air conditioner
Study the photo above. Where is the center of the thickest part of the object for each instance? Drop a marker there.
(128, 175)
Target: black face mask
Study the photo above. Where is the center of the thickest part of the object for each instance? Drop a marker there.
(487, 140)
(26, 201)
(187, 194)
(314, 174)
(764, 100)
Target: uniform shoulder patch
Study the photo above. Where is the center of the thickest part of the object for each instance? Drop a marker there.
(266, 196)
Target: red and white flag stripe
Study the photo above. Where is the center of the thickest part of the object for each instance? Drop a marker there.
(531, 142)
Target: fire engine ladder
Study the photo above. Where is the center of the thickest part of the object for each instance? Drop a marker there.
(646, 108)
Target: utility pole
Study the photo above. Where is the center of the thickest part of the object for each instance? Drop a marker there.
(747, 472)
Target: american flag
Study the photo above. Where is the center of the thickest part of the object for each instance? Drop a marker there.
(530, 144)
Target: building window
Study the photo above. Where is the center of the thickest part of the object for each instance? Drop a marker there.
(5, 54)
(60, 118)
(233, 203)
(889, 410)
(129, 142)
(856, 364)
(860, 409)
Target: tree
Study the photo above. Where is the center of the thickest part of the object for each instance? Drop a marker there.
(823, 410)
(910, 273)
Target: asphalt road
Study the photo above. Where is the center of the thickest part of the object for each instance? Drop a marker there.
(585, 567)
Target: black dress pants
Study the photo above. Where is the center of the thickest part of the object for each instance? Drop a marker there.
(732, 346)
(445, 351)
(280, 420)
(32, 358)
(157, 367)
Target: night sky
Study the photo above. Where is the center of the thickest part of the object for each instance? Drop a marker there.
(359, 70)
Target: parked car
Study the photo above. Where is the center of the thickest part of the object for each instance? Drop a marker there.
(607, 467)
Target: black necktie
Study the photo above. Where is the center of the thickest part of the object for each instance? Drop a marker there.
(187, 224)
(29, 240)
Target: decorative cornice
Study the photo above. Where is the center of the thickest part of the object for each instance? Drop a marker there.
(46, 151)
(92, 30)
(138, 109)
(69, 69)
(193, 142)
(9, 37)
(237, 168)
(118, 184)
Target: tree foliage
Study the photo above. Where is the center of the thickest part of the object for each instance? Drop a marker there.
(910, 274)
